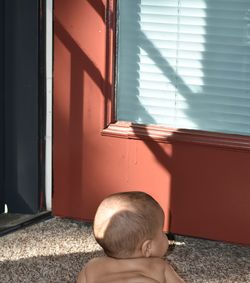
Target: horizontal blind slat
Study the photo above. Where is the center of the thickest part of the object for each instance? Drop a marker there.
(179, 62)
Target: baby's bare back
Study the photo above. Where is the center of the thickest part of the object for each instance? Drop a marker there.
(139, 270)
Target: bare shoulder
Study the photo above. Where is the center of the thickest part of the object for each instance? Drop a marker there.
(170, 274)
(110, 270)
(82, 276)
(88, 269)
(132, 270)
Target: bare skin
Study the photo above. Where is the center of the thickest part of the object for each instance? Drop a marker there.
(137, 270)
(145, 264)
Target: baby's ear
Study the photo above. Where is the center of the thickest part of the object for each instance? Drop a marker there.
(146, 248)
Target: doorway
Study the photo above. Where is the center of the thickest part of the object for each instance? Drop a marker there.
(23, 113)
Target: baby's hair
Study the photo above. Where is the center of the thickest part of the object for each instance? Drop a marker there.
(125, 220)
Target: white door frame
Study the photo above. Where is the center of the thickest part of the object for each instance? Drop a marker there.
(49, 87)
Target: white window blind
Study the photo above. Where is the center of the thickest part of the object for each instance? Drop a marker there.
(184, 64)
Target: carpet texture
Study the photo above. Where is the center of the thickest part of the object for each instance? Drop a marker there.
(55, 251)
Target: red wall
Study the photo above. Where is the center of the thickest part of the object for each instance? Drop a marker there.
(204, 190)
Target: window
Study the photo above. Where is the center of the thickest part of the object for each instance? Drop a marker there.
(184, 64)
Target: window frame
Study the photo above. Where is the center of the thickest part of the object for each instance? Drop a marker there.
(156, 133)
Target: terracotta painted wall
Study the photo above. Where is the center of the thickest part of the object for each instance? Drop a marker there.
(204, 190)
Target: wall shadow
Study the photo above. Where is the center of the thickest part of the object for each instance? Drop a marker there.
(199, 174)
(214, 67)
(80, 64)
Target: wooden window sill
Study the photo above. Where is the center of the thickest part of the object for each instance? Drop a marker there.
(163, 134)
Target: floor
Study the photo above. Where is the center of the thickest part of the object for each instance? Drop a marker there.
(55, 250)
(13, 221)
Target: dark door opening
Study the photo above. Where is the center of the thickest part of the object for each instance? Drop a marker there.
(22, 110)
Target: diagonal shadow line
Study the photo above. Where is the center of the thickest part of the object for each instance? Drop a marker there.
(80, 64)
(162, 64)
(99, 7)
(92, 70)
(86, 64)
(161, 156)
(166, 68)
(103, 11)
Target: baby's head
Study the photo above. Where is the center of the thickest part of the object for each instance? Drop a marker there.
(127, 223)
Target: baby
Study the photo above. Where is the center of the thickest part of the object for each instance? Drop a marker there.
(129, 228)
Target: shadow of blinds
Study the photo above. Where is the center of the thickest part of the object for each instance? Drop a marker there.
(185, 64)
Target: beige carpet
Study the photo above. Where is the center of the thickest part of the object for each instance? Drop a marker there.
(55, 251)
